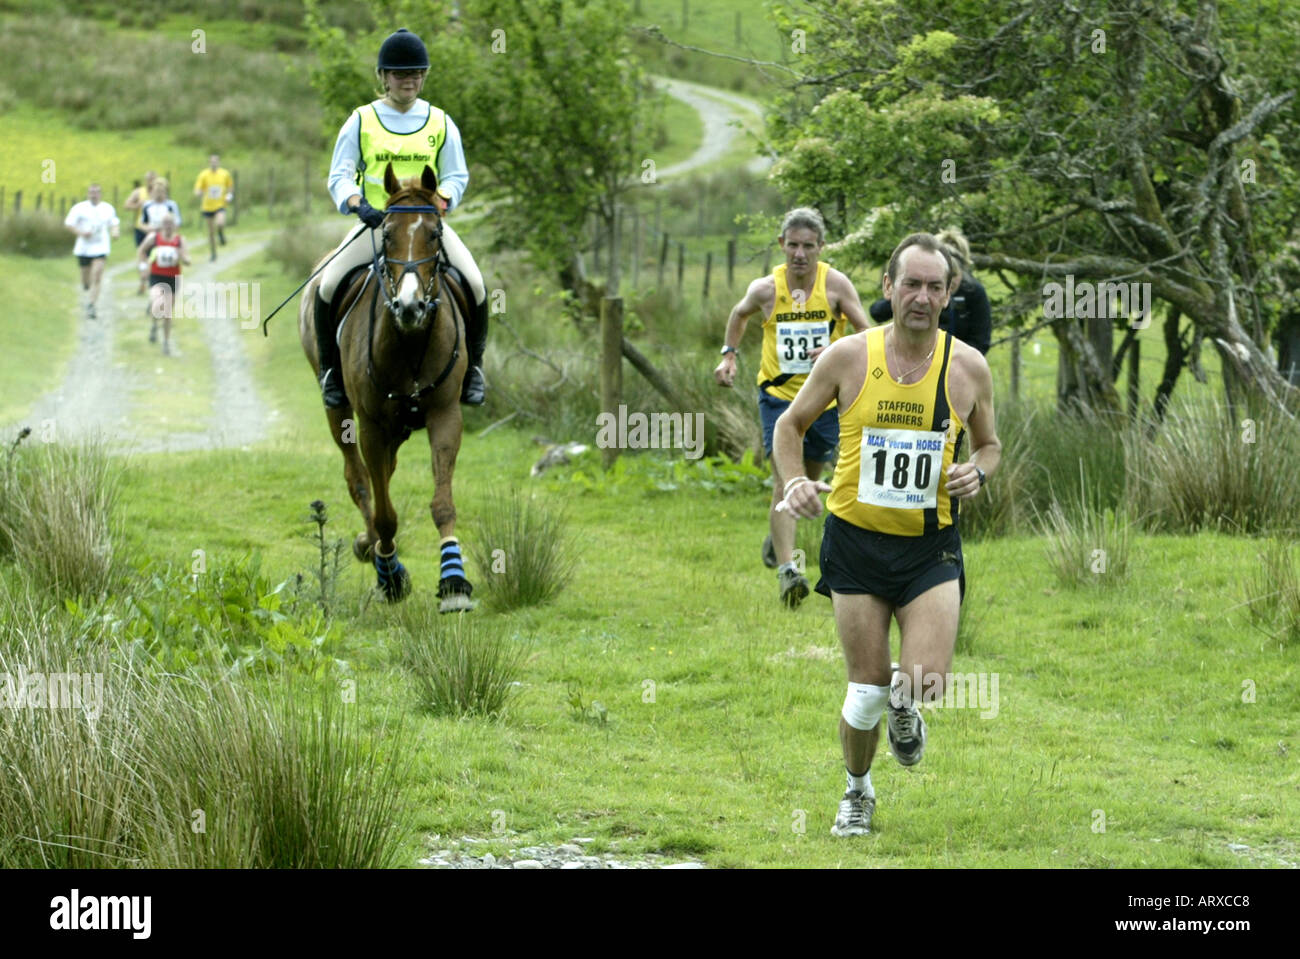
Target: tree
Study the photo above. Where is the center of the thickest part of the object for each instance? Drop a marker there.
(1100, 141)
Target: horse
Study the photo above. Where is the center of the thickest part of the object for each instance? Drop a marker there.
(402, 358)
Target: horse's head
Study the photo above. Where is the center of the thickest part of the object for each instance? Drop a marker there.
(412, 233)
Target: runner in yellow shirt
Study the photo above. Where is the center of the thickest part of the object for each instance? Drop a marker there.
(216, 187)
(806, 305)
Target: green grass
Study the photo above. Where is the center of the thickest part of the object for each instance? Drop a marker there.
(37, 327)
(740, 733)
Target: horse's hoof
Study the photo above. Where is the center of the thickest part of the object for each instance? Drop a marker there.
(394, 580)
(362, 548)
(396, 587)
(456, 603)
(454, 593)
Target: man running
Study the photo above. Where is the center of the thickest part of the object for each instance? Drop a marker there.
(95, 224)
(908, 392)
(804, 305)
(167, 251)
(217, 188)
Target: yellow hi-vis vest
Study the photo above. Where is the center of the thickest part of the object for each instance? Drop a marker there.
(408, 152)
(896, 444)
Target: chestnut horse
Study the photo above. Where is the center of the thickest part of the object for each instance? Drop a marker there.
(402, 355)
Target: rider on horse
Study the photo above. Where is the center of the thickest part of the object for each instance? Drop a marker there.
(409, 133)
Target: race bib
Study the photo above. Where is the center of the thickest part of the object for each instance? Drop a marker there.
(214, 192)
(900, 469)
(794, 341)
(167, 256)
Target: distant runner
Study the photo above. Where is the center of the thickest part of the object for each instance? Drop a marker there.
(167, 251)
(217, 188)
(95, 224)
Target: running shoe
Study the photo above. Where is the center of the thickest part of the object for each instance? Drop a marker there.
(854, 818)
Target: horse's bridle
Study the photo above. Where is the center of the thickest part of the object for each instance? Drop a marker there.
(381, 258)
(379, 269)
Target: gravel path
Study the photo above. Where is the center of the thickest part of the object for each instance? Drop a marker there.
(468, 853)
(717, 109)
(96, 395)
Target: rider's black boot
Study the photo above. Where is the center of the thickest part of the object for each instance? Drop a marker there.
(473, 390)
(327, 349)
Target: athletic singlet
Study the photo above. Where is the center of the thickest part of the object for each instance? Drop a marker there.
(896, 444)
(793, 330)
(166, 256)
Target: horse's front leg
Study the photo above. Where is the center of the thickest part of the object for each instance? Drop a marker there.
(443, 424)
(378, 449)
(343, 427)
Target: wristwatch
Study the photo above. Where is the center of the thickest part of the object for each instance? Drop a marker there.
(983, 476)
(729, 349)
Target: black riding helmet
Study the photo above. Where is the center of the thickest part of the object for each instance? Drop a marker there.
(403, 50)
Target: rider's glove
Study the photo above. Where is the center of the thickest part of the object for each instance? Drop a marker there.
(369, 215)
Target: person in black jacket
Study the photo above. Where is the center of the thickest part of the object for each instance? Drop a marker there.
(967, 315)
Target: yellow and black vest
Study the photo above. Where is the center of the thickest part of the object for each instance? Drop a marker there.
(793, 329)
(896, 444)
(408, 152)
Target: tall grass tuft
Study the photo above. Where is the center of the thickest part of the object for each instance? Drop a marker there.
(283, 777)
(1203, 469)
(1273, 591)
(524, 549)
(57, 522)
(1087, 542)
(460, 666)
(169, 771)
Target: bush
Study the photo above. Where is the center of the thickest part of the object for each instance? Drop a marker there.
(301, 245)
(461, 666)
(35, 234)
(57, 519)
(523, 549)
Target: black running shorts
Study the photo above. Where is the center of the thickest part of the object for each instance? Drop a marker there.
(896, 568)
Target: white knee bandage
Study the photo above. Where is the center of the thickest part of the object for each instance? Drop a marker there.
(863, 705)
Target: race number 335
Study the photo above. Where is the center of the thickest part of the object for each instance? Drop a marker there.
(794, 341)
(900, 469)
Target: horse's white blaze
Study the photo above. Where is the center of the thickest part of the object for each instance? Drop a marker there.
(409, 291)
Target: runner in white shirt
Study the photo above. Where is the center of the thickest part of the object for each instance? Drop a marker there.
(95, 223)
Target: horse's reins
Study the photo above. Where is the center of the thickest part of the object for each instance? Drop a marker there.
(377, 266)
(313, 276)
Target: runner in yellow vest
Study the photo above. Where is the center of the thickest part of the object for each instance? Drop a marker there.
(806, 305)
(216, 187)
(908, 392)
(402, 129)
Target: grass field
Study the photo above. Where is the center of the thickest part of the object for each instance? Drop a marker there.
(1142, 722)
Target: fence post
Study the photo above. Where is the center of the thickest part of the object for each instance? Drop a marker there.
(681, 264)
(614, 272)
(731, 263)
(18, 202)
(767, 261)
(595, 243)
(611, 366)
(663, 258)
(1134, 387)
(636, 247)
(708, 269)
(1015, 366)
